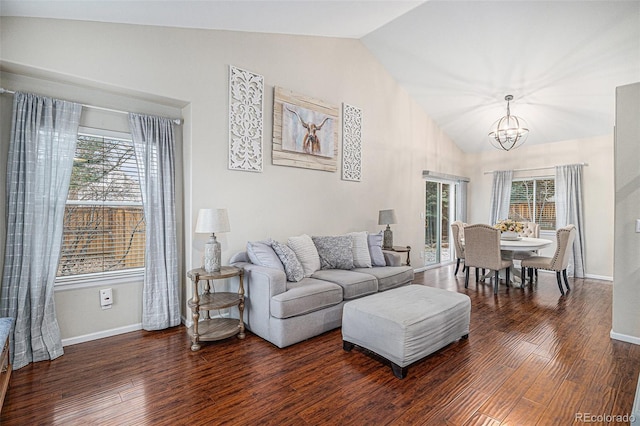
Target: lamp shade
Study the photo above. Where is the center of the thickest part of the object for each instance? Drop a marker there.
(212, 220)
(387, 217)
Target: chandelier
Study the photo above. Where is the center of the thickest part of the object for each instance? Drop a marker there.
(509, 132)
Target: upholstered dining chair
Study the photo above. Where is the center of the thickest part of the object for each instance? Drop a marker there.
(560, 260)
(457, 229)
(482, 250)
(531, 230)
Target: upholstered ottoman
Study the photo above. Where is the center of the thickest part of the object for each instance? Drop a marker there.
(406, 324)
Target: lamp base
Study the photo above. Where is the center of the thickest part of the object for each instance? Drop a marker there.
(387, 241)
(212, 255)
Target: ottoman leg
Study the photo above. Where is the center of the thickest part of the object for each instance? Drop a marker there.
(347, 346)
(399, 372)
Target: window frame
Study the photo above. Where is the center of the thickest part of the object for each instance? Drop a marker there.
(537, 178)
(95, 279)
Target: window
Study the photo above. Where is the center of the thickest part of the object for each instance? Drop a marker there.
(533, 200)
(104, 228)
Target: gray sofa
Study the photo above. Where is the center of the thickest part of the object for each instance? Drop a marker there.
(286, 312)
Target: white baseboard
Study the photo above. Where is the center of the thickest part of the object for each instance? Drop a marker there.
(101, 334)
(625, 338)
(599, 277)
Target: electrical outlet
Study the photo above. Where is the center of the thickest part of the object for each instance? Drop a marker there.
(637, 225)
(106, 298)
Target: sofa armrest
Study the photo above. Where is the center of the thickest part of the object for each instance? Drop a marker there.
(260, 277)
(392, 258)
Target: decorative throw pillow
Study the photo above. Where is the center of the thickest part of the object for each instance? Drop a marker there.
(361, 256)
(306, 252)
(292, 267)
(375, 249)
(334, 252)
(261, 253)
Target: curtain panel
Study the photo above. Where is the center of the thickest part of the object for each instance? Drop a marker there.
(570, 210)
(43, 139)
(500, 196)
(154, 143)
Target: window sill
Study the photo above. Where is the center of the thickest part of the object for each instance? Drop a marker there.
(99, 279)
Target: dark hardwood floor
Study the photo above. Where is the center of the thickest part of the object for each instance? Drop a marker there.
(532, 357)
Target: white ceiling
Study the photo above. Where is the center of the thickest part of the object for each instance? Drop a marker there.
(561, 60)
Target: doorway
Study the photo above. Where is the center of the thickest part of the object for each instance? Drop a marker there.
(439, 214)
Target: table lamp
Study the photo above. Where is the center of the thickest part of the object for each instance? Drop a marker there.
(387, 217)
(211, 221)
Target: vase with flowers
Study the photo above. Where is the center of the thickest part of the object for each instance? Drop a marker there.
(509, 229)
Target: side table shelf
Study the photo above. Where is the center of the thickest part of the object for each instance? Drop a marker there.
(207, 299)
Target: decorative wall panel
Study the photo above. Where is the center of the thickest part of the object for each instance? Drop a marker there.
(246, 98)
(351, 143)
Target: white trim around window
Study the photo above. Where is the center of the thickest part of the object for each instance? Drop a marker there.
(73, 282)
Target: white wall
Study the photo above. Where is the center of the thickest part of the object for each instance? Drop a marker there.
(598, 189)
(399, 139)
(626, 288)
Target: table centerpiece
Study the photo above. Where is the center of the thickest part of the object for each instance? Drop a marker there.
(509, 229)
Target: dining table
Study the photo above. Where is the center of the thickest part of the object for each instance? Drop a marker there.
(509, 246)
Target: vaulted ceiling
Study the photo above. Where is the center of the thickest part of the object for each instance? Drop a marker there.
(561, 60)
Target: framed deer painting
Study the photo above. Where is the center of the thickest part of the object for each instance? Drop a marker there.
(305, 131)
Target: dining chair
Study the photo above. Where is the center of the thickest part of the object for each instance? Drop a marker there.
(560, 260)
(457, 229)
(529, 230)
(482, 250)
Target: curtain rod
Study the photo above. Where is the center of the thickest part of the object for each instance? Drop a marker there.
(536, 168)
(177, 121)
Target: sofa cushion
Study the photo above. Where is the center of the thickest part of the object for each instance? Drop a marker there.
(389, 276)
(261, 253)
(361, 256)
(306, 252)
(305, 296)
(375, 249)
(292, 267)
(334, 252)
(354, 284)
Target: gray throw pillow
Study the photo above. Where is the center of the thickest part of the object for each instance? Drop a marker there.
(335, 252)
(292, 267)
(261, 253)
(375, 249)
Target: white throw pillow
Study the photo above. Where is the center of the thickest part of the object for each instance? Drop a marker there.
(306, 253)
(361, 256)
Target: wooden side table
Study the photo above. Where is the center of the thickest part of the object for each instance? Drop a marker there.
(210, 329)
(403, 249)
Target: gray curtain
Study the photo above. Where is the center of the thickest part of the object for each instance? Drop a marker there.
(43, 141)
(570, 210)
(461, 201)
(154, 143)
(500, 196)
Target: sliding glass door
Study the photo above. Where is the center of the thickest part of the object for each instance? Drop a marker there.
(439, 213)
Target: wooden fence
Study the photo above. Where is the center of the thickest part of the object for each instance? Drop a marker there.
(101, 238)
